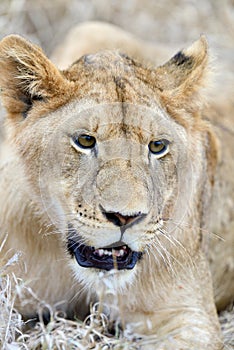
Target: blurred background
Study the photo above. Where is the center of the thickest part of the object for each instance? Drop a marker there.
(170, 22)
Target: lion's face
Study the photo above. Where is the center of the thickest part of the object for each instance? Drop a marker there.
(112, 168)
(109, 177)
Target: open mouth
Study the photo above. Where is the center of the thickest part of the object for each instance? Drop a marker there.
(118, 257)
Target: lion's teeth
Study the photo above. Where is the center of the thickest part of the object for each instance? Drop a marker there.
(115, 252)
(99, 252)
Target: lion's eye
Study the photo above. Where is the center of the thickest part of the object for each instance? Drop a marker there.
(159, 147)
(84, 141)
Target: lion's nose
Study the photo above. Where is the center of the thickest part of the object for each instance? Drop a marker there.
(123, 220)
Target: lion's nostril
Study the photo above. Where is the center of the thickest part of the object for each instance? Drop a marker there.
(122, 220)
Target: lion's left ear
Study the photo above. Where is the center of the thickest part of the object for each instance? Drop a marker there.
(182, 78)
(26, 76)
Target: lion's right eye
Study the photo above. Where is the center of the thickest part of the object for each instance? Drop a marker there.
(159, 147)
(84, 141)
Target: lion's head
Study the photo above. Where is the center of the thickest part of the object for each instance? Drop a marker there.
(116, 154)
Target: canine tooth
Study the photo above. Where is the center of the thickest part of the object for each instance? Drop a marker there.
(100, 252)
(121, 252)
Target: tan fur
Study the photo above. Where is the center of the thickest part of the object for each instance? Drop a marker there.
(186, 196)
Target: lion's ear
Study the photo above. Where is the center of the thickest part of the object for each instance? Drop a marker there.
(182, 78)
(26, 75)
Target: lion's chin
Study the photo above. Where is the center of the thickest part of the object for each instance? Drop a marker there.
(120, 257)
(97, 280)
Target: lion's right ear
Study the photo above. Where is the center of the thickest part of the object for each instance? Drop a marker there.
(183, 78)
(26, 75)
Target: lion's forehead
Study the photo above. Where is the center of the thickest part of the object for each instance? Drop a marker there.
(118, 120)
(109, 59)
(112, 76)
(108, 63)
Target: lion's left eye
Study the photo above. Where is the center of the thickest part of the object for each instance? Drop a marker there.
(84, 141)
(160, 147)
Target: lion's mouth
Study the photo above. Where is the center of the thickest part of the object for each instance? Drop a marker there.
(118, 257)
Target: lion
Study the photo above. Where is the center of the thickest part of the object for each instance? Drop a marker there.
(118, 175)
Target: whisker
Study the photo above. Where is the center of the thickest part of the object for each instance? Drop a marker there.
(80, 293)
(161, 254)
(171, 238)
(181, 225)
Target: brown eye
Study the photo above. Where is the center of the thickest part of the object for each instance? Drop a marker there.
(84, 141)
(159, 147)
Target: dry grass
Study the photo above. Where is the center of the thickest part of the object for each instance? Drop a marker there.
(60, 333)
(46, 22)
(63, 334)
